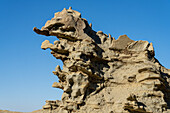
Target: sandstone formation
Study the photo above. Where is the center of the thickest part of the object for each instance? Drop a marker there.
(101, 74)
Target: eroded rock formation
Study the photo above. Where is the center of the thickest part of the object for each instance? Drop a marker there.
(101, 74)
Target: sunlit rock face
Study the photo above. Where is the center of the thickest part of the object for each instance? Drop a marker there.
(101, 74)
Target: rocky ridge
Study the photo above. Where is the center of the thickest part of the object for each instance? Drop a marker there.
(101, 74)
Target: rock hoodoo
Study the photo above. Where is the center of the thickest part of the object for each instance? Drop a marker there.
(101, 74)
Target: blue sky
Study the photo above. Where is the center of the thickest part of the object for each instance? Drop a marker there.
(26, 70)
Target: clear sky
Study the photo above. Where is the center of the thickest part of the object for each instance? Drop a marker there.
(26, 70)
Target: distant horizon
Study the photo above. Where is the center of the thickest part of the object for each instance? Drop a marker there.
(26, 69)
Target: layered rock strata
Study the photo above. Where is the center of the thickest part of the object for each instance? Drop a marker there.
(101, 74)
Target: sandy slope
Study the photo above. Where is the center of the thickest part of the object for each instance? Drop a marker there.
(6, 111)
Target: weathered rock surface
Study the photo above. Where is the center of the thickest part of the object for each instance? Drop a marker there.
(101, 74)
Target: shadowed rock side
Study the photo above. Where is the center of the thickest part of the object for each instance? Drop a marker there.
(101, 74)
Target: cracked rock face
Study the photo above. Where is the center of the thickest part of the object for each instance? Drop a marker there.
(101, 74)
